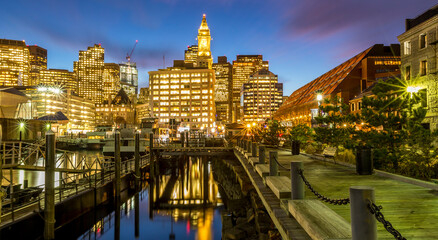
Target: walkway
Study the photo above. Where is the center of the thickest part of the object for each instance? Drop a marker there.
(412, 210)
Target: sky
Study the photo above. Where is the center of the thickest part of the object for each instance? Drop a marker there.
(301, 39)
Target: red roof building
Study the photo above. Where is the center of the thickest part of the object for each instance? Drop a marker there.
(346, 81)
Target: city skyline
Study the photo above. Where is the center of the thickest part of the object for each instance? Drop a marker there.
(293, 35)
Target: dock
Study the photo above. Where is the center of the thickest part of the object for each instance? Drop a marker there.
(410, 207)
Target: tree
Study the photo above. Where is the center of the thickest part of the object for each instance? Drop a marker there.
(393, 124)
(272, 132)
(336, 124)
(301, 133)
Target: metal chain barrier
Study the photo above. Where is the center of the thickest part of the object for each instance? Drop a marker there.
(342, 201)
(375, 210)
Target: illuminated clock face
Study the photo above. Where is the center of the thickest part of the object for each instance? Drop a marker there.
(204, 42)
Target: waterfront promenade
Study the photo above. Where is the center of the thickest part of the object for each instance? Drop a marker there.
(411, 209)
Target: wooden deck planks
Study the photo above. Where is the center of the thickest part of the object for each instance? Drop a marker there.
(413, 210)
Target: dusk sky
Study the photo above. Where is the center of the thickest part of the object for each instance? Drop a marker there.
(301, 39)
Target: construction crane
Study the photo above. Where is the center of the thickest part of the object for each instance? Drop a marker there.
(128, 55)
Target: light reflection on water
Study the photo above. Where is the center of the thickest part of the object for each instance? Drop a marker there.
(186, 203)
(37, 178)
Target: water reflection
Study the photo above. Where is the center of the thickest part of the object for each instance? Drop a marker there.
(182, 203)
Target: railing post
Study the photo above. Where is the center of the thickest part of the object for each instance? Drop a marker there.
(49, 201)
(137, 159)
(182, 139)
(297, 183)
(273, 168)
(254, 149)
(262, 155)
(248, 149)
(117, 162)
(363, 223)
(151, 156)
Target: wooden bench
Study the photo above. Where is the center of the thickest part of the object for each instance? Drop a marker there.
(329, 152)
(319, 221)
(279, 185)
(262, 170)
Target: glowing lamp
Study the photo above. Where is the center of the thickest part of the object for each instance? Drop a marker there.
(319, 97)
(21, 124)
(248, 125)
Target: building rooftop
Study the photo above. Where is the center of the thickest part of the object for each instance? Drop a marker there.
(410, 23)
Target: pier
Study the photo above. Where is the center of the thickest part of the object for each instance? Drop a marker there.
(408, 204)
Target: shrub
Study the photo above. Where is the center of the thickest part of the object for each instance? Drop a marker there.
(310, 149)
(345, 155)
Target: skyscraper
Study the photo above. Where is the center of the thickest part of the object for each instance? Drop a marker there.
(59, 77)
(222, 89)
(262, 96)
(38, 62)
(129, 78)
(191, 54)
(243, 67)
(183, 95)
(89, 70)
(111, 81)
(14, 63)
(204, 54)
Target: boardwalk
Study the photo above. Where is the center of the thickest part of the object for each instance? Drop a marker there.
(413, 210)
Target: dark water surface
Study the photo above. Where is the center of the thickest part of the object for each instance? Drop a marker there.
(188, 206)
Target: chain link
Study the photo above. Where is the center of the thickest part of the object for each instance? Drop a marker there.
(375, 210)
(342, 201)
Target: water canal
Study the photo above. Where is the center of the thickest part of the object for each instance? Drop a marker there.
(191, 198)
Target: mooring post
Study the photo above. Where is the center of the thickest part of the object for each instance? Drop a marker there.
(137, 159)
(262, 153)
(49, 203)
(117, 162)
(137, 214)
(273, 168)
(182, 139)
(297, 183)
(151, 157)
(187, 139)
(254, 149)
(363, 223)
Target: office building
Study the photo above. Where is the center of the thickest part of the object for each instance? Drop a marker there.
(58, 77)
(89, 70)
(118, 112)
(243, 67)
(183, 96)
(419, 59)
(262, 96)
(129, 78)
(14, 63)
(38, 62)
(191, 54)
(111, 81)
(222, 89)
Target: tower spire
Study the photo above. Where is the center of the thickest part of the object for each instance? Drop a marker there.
(204, 54)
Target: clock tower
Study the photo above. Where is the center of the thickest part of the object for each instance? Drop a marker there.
(204, 54)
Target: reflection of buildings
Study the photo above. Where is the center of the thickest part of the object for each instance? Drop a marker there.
(419, 59)
(345, 81)
(262, 96)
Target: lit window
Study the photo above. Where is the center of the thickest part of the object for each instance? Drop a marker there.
(423, 67)
(407, 48)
